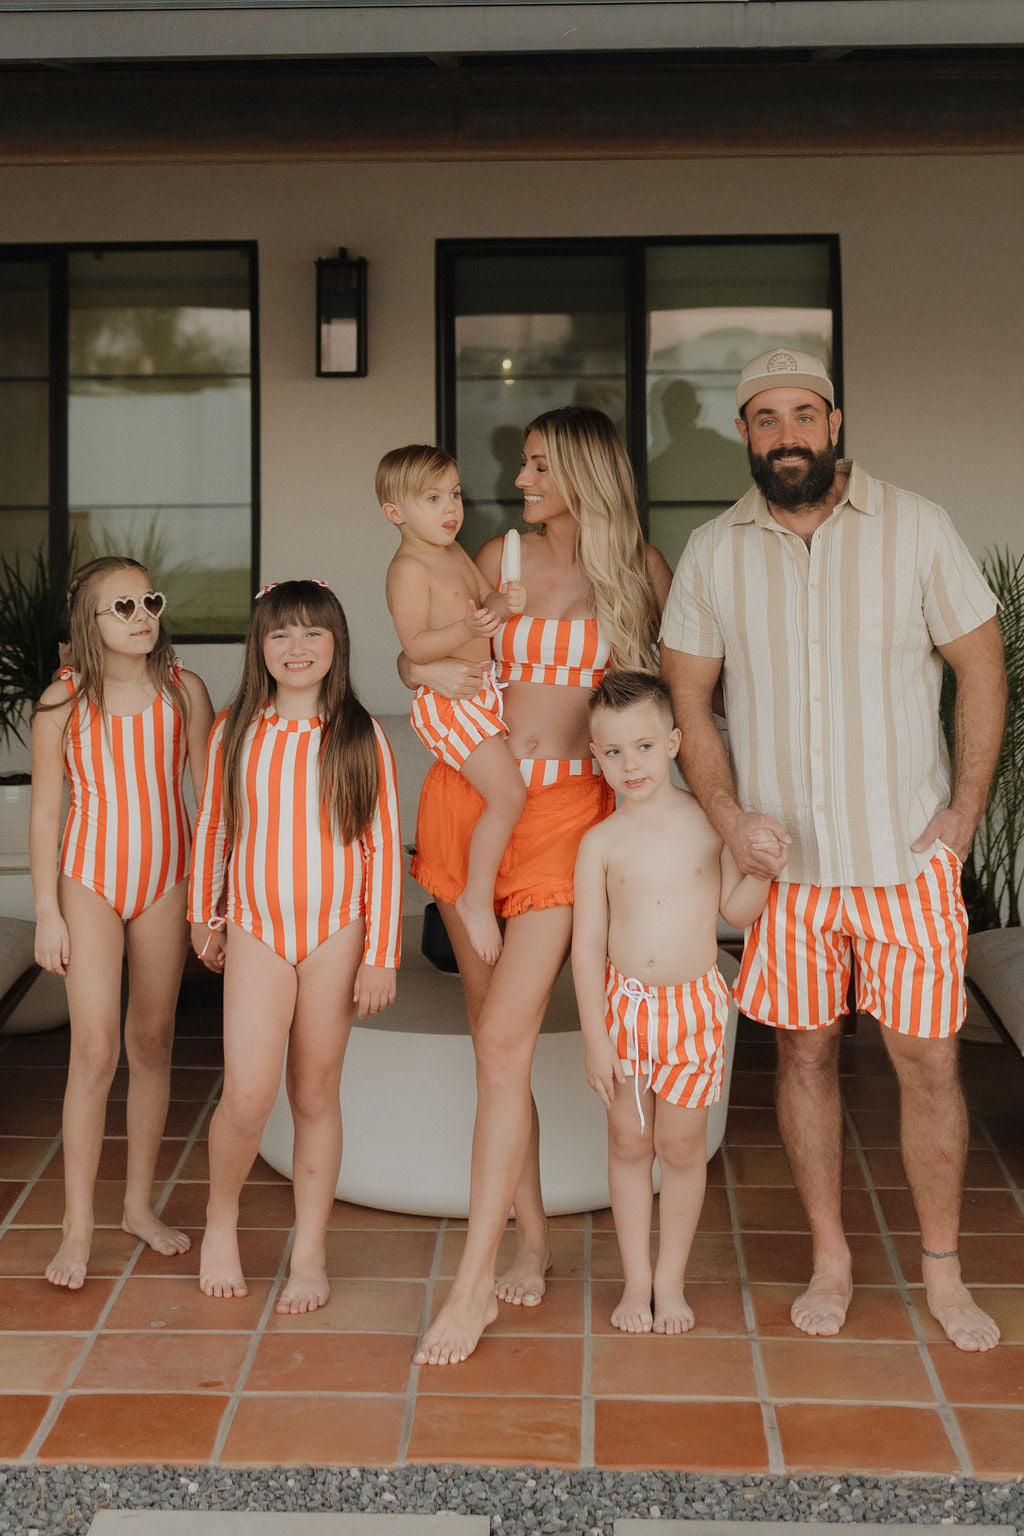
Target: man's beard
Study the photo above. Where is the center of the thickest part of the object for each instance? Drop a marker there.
(794, 487)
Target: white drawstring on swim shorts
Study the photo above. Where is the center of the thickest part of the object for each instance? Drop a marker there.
(498, 689)
(637, 993)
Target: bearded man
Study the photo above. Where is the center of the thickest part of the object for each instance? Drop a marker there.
(826, 601)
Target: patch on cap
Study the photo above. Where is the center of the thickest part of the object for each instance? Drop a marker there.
(784, 368)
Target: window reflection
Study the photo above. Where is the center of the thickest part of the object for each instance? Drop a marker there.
(159, 423)
(532, 331)
(24, 407)
(711, 308)
(535, 326)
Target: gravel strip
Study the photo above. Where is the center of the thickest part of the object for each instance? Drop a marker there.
(520, 1501)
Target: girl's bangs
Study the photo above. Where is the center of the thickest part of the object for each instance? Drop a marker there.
(299, 602)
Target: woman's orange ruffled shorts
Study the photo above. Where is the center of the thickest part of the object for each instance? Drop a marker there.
(537, 868)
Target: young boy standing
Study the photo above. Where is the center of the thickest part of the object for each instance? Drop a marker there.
(649, 884)
(442, 606)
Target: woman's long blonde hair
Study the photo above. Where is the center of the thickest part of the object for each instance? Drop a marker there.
(85, 648)
(589, 468)
(349, 777)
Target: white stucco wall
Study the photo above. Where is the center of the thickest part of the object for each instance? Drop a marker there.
(932, 311)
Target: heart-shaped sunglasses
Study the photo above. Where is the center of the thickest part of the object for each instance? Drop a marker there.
(125, 608)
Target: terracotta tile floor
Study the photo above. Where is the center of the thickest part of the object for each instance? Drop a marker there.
(140, 1366)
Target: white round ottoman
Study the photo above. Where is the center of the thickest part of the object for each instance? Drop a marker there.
(408, 1098)
(44, 1005)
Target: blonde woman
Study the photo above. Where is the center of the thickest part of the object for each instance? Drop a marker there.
(595, 592)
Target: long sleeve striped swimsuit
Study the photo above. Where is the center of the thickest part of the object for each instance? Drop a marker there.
(288, 880)
(127, 833)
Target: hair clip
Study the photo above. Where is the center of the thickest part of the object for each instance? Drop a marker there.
(315, 580)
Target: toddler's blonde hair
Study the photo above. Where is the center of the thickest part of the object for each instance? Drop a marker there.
(405, 472)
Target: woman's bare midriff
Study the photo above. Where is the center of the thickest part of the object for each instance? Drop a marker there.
(547, 721)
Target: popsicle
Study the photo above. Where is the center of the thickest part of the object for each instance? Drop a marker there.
(512, 561)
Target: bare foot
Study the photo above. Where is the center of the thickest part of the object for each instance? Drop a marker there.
(672, 1314)
(69, 1264)
(960, 1318)
(159, 1236)
(455, 1332)
(523, 1284)
(307, 1289)
(821, 1309)
(633, 1313)
(480, 923)
(220, 1267)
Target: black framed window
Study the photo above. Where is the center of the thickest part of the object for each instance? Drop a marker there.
(653, 331)
(130, 375)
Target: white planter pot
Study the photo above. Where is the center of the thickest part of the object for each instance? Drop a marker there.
(15, 803)
(44, 1006)
(408, 1099)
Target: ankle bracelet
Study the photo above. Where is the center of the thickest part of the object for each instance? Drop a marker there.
(952, 1254)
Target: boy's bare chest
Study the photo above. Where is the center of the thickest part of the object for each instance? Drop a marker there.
(656, 870)
(452, 584)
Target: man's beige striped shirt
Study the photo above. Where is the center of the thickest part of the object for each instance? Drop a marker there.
(830, 670)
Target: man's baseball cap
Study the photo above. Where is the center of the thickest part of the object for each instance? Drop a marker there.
(783, 369)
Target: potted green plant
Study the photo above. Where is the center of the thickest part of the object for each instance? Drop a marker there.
(995, 866)
(32, 625)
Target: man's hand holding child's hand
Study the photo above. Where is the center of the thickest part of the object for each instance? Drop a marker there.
(765, 841)
(758, 844)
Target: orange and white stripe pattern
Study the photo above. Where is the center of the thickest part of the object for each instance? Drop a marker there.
(127, 832)
(288, 880)
(569, 653)
(543, 772)
(675, 1035)
(454, 728)
(909, 942)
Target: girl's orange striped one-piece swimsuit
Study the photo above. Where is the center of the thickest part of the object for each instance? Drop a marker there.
(288, 879)
(127, 833)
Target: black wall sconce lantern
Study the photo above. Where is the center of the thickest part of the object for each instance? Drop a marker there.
(341, 317)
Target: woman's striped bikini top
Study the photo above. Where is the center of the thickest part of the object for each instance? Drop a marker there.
(569, 653)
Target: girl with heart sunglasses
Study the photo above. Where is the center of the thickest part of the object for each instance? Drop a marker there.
(120, 724)
(126, 607)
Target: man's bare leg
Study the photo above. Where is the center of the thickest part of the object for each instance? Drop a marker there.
(933, 1136)
(534, 951)
(523, 1283)
(811, 1122)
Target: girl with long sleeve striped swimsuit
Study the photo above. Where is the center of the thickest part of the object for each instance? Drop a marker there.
(119, 725)
(296, 896)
